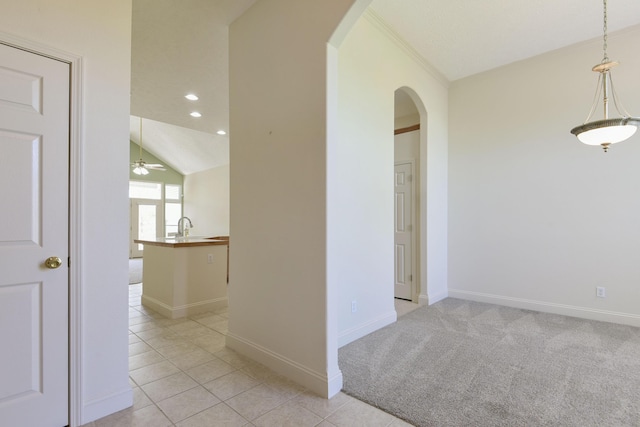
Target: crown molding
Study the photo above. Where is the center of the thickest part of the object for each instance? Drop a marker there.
(376, 20)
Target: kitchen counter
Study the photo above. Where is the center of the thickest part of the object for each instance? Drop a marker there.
(182, 242)
(185, 275)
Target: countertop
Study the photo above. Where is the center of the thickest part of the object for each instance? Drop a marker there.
(185, 242)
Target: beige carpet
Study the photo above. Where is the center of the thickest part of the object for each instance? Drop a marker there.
(460, 363)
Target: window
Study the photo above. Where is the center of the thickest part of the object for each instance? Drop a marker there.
(171, 199)
(172, 208)
(172, 192)
(145, 190)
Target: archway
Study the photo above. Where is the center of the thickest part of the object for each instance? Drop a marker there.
(408, 209)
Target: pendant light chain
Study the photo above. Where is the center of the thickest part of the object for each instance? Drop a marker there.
(604, 44)
(619, 107)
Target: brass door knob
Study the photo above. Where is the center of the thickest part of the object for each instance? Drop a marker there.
(53, 262)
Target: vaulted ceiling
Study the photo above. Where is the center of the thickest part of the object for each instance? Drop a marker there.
(182, 47)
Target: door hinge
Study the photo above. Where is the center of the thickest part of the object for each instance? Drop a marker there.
(69, 261)
(409, 227)
(411, 277)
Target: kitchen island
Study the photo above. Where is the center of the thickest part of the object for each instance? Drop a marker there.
(185, 275)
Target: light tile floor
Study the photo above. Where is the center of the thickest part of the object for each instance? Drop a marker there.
(182, 375)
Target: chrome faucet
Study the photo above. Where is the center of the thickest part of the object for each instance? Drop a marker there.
(182, 226)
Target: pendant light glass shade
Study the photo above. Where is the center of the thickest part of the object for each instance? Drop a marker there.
(608, 130)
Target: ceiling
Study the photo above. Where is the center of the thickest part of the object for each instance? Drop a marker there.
(185, 150)
(465, 37)
(182, 47)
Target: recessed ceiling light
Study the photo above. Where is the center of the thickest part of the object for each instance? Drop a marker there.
(221, 132)
(196, 114)
(191, 97)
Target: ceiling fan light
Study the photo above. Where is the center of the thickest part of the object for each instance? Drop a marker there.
(609, 131)
(141, 167)
(139, 170)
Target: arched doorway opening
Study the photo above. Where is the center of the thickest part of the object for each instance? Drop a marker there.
(407, 190)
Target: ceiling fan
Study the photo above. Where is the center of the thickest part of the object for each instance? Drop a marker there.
(140, 167)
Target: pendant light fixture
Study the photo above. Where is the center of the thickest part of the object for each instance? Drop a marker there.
(608, 130)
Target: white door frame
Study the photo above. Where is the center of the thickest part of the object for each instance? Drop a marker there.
(76, 143)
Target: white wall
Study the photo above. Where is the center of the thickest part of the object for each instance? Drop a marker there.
(538, 220)
(406, 121)
(407, 146)
(206, 201)
(99, 32)
(360, 211)
(278, 297)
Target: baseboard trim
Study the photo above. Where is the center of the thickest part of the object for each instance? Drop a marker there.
(318, 383)
(432, 299)
(102, 407)
(547, 307)
(423, 299)
(359, 331)
(183, 310)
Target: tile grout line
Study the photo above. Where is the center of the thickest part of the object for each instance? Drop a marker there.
(197, 382)
(261, 375)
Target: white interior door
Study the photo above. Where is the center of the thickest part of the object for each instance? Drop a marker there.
(34, 188)
(403, 237)
(146, 223)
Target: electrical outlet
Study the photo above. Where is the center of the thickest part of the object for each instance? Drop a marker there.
(210, 259)
(354, 306)
(601, 292)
